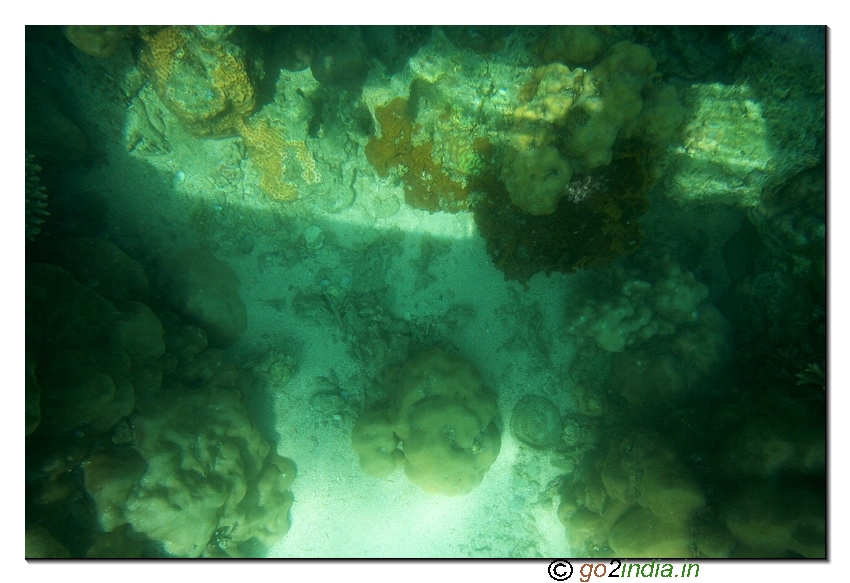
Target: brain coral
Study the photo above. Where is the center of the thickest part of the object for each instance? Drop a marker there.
(443, 417)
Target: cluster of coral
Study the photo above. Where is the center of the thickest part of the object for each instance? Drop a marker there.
(637, 500)
(574, 118)
(440, 425)
(639, 309)
(673, 444)
(663, 341)
(692, 465)
(400, 145)
(134, 422)
(743, 479)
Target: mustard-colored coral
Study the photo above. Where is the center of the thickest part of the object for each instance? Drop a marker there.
(553, 90)
(204, 83)
(587, 111)
(163, 48)
(426, 185)
(278, 159)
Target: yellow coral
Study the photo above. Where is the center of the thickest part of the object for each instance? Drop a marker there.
(164, 47)
(231, 79)
(555, 90)
(204, 83)
(274, 156)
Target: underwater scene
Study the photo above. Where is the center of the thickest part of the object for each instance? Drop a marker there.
(425, 291)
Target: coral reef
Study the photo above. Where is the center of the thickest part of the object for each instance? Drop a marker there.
(593, 231)
(204, 83)
(277, 159)
(657, 343)
(588, 111)
(639, 309)
(202, 78)
(442, 416)
(138, 443)
(537, 179)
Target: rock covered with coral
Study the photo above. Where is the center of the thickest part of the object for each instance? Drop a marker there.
(137, 406)
(585, 113)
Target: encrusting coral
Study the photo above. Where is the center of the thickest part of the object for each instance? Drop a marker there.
(426, 184)
(203, 83)
(203, 79)
(278, 159)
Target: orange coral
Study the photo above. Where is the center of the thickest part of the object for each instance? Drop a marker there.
(426, 185)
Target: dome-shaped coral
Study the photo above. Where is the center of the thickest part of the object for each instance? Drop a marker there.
(443, 417)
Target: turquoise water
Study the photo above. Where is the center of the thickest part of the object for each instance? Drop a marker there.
(425, 292)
